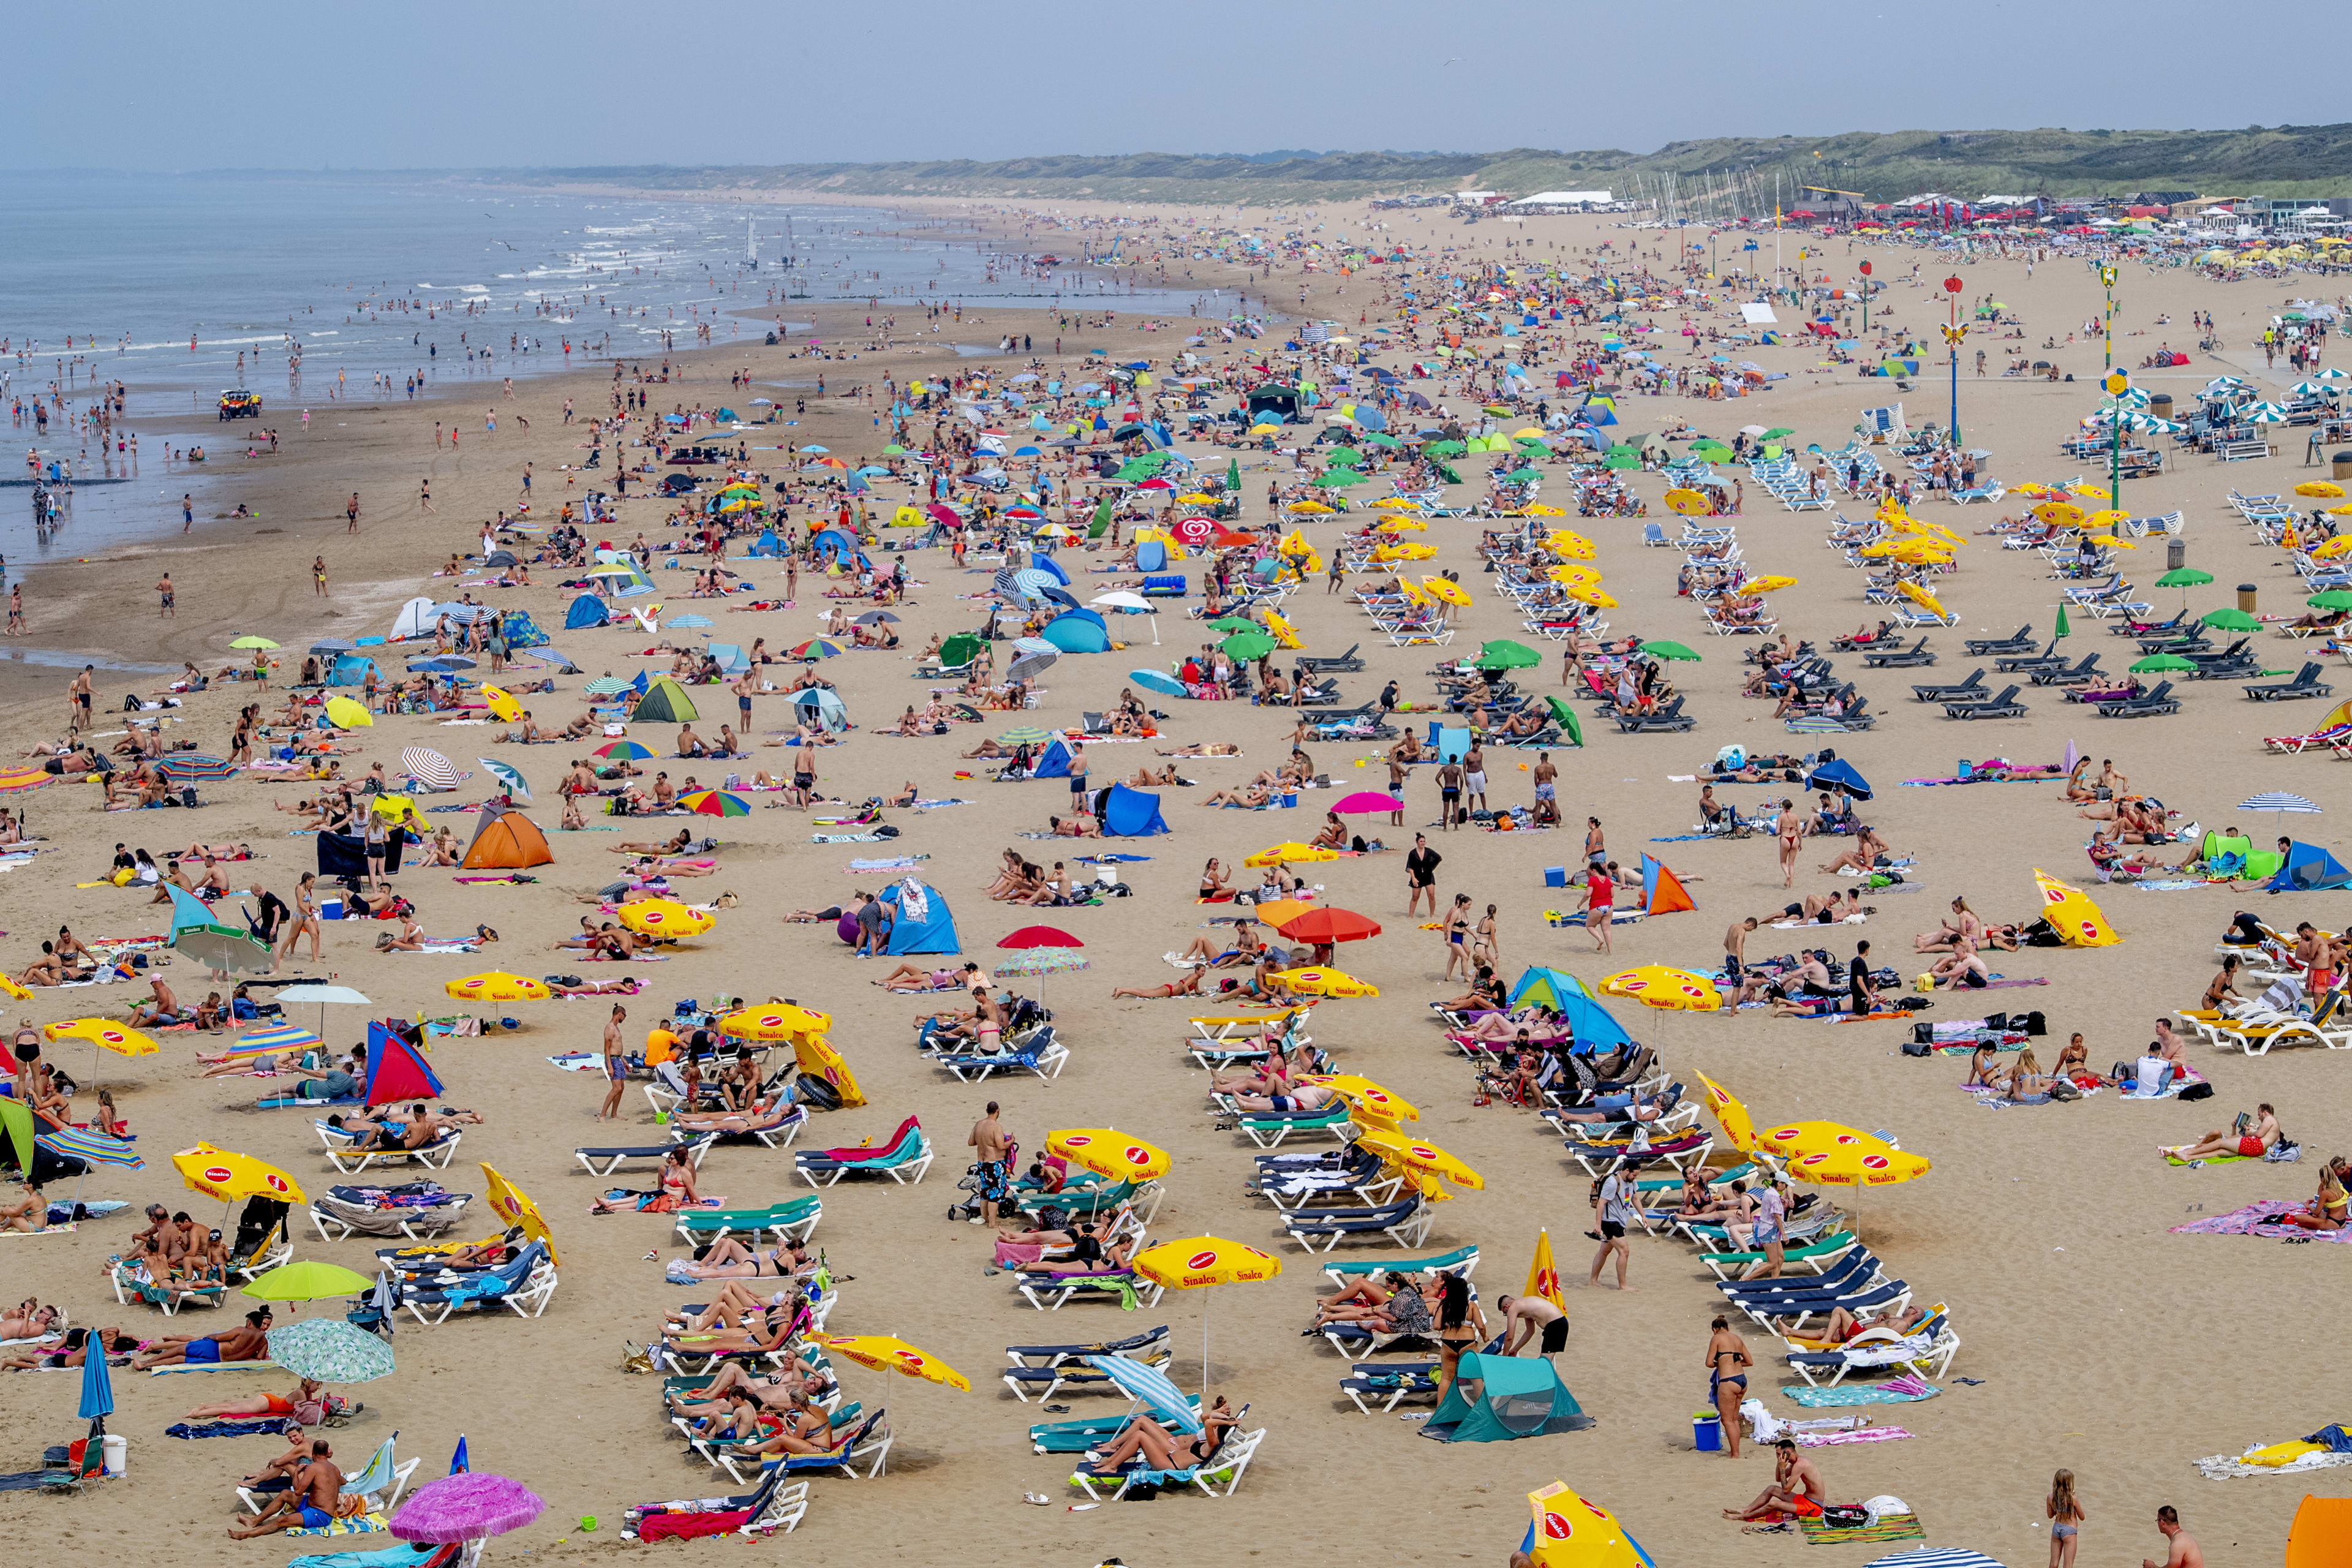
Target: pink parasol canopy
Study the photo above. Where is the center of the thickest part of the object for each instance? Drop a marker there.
(1040, 936)
(466, 1507)
(1368, 800)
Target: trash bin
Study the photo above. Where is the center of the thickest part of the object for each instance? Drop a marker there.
(2159, 405)
(2176, 554)
(2246, 597)
(2344, 465)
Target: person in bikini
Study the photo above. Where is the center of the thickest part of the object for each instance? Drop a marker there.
(1726, 1379)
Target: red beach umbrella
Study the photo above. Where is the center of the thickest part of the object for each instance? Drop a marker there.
(1040, 936)
(1326, 925)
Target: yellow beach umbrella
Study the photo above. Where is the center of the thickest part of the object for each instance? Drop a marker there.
(1289, 852)
(1106, 1152)
(497, 986)
(885, 1352)
(1447, 589)
(2344, 510)
(1309, 509)
(1688, 502)
(1672, 990)
(1730, 1115)
(777, 1021)
(666, 917)
(2335, 547)
(1544, 509)
(1569, 542)
(817, 1059)
(2059, 513)
(1831, 1155)
(513, 1206)
(1921, 597)
(501, 703)
(228, 1176)
(2323, 489)
(121, 1038)
(1363, 1091)
(347, 713)
(1575, 572)
(1315, 982)
(1196, 500)
(1198, 1262)
(1574, 1531)
(1585, 594)
(1396, 501)
(2107, 518)
(1414, 1155)
(1770, 582)
(2089, 492)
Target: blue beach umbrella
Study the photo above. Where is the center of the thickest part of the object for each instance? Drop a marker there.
(1150, 1385)
(1837, 774)
(1158, 680)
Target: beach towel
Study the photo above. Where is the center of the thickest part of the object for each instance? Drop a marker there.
(863, 838)
(257, 1426)
(1864, 1435)
(2271, 1459)
(889, 863)
(358, 1524)
(2259, 1219)
(1887, 1527)
(691, 1526)
(1902, 1391)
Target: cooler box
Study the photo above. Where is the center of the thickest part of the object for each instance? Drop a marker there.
(1555, 876)
(1706, 1431)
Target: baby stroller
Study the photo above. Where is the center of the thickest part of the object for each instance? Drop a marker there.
(963, 1209)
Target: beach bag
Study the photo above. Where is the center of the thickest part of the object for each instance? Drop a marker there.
(2283, 1153)
(2196, 1091)
(1845, 1516)
(2065, 1089)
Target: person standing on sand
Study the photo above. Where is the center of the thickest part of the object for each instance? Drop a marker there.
(352, 514)
(17, 610)
(1613, 1210)
(164, 593)
(1726, 1379)
(2066, 1516)
(424, 490)
(1792, 830)
(319, 574)
(616, 1068)
(78, 700)
(990, 1141)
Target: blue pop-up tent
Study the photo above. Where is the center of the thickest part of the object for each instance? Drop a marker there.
(1595, 1028)
(924, 922)
(1077, 631)
(1131, 814)
(587, 610)
(1055, 764)
(1512, 1397)
(2309, 870)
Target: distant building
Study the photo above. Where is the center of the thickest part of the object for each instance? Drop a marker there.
(1560, 201)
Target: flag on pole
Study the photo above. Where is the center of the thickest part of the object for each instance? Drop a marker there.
(457, 1465)
(1543, 1275)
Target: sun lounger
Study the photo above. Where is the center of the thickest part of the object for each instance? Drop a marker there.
(1228, 1466)
(2158, 701)
(1043, 1382)
(773, 1127)
(343, 1154)
(128, 1288)
(866, 1444)
(604, 1160)
(1815, 1256)
(1461, 1260)
(1928, 1350)
(1405, 1222)
(2004, 706)
(345, 1212)
(1044, 1059)
(1894, 658)
(1151, 1345)
(1049, 1290)
(1599, 1156)
(1669, 718)
(379, 1484)
(2307, 683)
(904, 1159)
(524, 1287)
(1967, 690)
(769, 1507)
(2020, 641)
(1267, 1129)
(1385, 1385)
(791, 1220)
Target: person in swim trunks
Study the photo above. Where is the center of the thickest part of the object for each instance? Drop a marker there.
(1533, 1320)
(314, 1502)
(2242, 1141)
(250, 1342)
(1796, 1491)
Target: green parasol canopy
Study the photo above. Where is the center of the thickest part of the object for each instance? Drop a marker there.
(1665, 649)
(2230, 619)
(1247, 646)
(2156, 663)
(961, 648)
(1233, 623)
(2184, 577)
(1504, 654)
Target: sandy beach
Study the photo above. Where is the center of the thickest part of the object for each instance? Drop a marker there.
(2092, 1339)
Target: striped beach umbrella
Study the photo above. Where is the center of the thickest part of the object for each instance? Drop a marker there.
(813, 650)
(605, 686)
(428, 767)
(95, 1147)
(716, 803)
(2276, 800)
(191, 765)
(625, 752)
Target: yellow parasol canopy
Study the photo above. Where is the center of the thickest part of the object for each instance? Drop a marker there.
(1544, 509)
(220, 1173)
(348, 713)
(1574, 1531)
(1688, 502)
(1309, 509)
(1372, 1097)
(1569, 542)
(1655, 986)
(1198, 1261)
(496, 986)
(1418, 1156)
(2335, 547)
(1730, 1115)
(121, 1038)
(1770, 582)
(884, 1352)
(512, 1204)
(817, 1059)
(1921, 597)
(2060, 514)
(1107, 1152)
(777, 1021)
(1314, 982)
(1586, 593)
(1289, 852)
(1447, 589)
(502, 703)
(2322, 489)
(666, 917)
(1830, 1154)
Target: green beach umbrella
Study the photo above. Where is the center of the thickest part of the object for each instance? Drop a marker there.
(1712, 451)
(1346, 455)
(1621, 458)
(1446, 473)
(1522, 475)
(253, 642)
(2230, 619)
(1021, 736)
(1233, 623)
(1445, 449)
(1565, 717)
(959, 649)
(1380, 438)
(308, 1281)
(2332, 599)
(1663, 649)
(1777, 431)
(16, 1122)
(1504, 654)
(2156, 663)
(2062, 629)
(328, 1350)
(1340, 479)
(2184, 577)
(1247, 646)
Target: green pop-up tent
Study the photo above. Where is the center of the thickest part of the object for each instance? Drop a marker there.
(665, 702)
(1507, 1397)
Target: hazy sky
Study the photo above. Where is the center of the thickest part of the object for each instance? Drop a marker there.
(142, 85)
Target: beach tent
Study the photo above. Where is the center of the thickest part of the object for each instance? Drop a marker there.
(2309, 870)
(1662, 891)
(665, 702)
(821, 708)
(350, 670)
(2077, 921)
(415, 619)
(924, 922)
(505, 840)
(1054, 762)
(1077, 631)
(344, 855)
(832, 542)
(1051, 567)
(1594, 1025)
(521, 631)
(2315, 1540)
(1131, 814)
(587, 610)
(1510, 1397)
(1150, 555)
(1551, 988)
(396, 1070)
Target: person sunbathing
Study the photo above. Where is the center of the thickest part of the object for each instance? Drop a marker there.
(1616, 1107)
(1161, 1449)
(2327, 1210)
(768, 1333)
(1274, 1077)
(1305, 1097)
(810, 1432)
(906, 977)
(70, 1352)
(677, 845)
(774, 1391)
(304, 1392)
(1243, 949)
(2247, 1143)
(765, 1113)
(314, 1502)
(248, 1341)
(1863, 854)
(1087, 1251)
(1500, 1028)
(729, 1258)
(29, 1320)
(1844, 1325)
(1394, 1306)
(1249, 797)
(1187, 986)
(1960, 967)
(1204, 749)
(1963, 922)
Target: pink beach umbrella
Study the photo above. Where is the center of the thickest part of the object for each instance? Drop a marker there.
(1368, 800)
(466, 1507)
